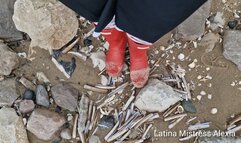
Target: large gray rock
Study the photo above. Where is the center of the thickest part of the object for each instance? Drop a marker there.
(219, 140)
(49, 23)
(8, 60)
(7, 92)
(45, 124)
(11, 127)
(8, 30)
(42, 97)
(194, 27)
(65, 96)
(209, 41)
(156, 96)
(232, 46)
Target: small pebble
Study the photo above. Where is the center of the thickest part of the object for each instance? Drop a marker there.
(107, 122)
(232, 84)
(232, 24)
(26, 106)
(192, 65)
(87, 42)
(181, 57)
(203, 93)
(199, 97)
(199, 77)
(210, 96)
(29, 95)
(69, 117)
(188, 106)
(66, 134)
(58, 109)
(214, 110)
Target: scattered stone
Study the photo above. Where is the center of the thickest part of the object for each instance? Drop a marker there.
(8, 59)
(156, 96)
(188, 106)
(203, 93)
(199, 97)
(11, 127)
(69, 66)
(107, 122)
(232, 24)
(28, 84)
(210, 96)
(42, 97)
(7, 92)
(58, 109)
(192, 65)
(94, 139)
(29, 95)
(26, 106)
(42, 77)
(49, 23)
(232, 46)
(219, 140)
(217, 21)
(45, 124)
(187, 30)
(65, 96)
(214, 111)
(98, 60)
(8, 30)
(209, 41)
(181, 57)
(66, 134)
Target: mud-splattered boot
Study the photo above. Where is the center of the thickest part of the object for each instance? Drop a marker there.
(115, 55)
(139, 68)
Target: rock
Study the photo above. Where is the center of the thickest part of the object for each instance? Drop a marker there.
(26, 106)
(156, 96)
(232, 46)
(219, 140)
(107, 122)
(42, 97)
(232, 24)
(94, 139)
(217, 21)
(209, 41)
(49, 23)
(42, 78)
(8, 60)
(45, 124)
(188, 106)
(8, 30)
(98, 60)
(194, 27)
(7, 92)
(29, 95)
(65, 96)
(66, 134)
(11, 127)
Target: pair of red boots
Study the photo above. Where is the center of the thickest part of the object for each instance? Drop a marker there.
(139, 68)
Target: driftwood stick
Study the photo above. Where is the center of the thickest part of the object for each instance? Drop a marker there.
(91, 88)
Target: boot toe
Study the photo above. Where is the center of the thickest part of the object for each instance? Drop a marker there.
(139, 77)
(113, 69)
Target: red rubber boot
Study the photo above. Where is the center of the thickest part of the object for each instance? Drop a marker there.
(115, 55)
(139, 68)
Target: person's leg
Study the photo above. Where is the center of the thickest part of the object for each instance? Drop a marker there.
(139, 68)
(117, 40)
